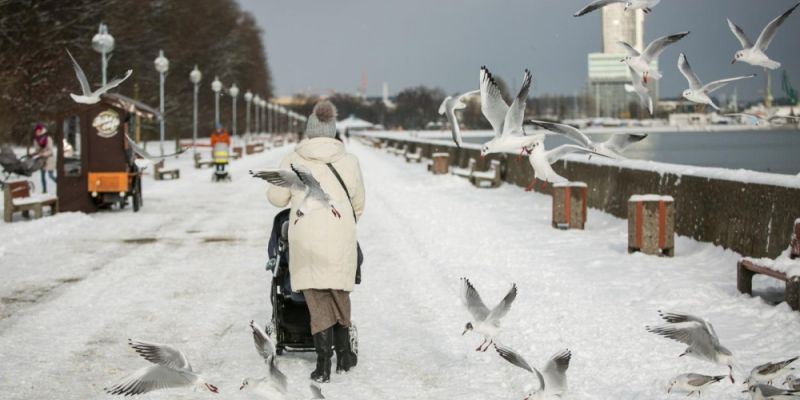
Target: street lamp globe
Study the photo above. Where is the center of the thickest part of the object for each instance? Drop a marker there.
(248, 96)
(216, 85)
(233, 91)
(195, 76)
(161, 63)
(102, 41)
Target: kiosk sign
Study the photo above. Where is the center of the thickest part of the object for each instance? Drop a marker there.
(106, 123)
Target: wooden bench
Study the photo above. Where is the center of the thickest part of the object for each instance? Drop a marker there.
(492, 176)
(416, 156)
(399, 151)
(200, 163)
(237, 153)
(160, 173)
(465, 172)
(746, 268)
(17, 197)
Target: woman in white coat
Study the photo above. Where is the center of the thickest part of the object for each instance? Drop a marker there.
(322, 248)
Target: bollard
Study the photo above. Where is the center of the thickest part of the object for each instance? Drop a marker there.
(440, 163)
(569, 205)
(651, 224)
(795, 242)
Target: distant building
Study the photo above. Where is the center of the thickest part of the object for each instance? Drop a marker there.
(607, 74)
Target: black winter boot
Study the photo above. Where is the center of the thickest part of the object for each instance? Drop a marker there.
(323, 344)
(345, 357)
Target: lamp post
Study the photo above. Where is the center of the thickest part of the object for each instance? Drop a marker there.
(103, 43)
(269, 117)
(248, 97)
(257, 111)
(162, 66)
(234, 92)
(195, 76)
(216, 87)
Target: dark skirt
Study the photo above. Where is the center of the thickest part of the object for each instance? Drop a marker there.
(327, 307)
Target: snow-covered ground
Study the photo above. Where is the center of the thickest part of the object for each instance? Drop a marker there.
(189, 270)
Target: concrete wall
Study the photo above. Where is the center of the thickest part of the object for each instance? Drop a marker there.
(752, 219)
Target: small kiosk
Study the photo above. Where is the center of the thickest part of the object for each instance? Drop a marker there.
(96, 167)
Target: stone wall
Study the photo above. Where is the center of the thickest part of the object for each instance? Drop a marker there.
(752, 219)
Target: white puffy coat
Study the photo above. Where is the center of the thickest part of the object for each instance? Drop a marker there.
(322, 248)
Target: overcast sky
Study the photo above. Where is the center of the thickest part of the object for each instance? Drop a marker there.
(318, 45)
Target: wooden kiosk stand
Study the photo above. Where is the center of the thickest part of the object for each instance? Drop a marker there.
(96, 166)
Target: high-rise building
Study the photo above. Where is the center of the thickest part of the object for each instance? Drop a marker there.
(607, 74)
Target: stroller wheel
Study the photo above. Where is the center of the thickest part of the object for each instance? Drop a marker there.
(279, 350)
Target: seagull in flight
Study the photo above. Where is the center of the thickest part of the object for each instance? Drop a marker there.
(553, 378)
(448, 107)
(644, 5)
(611, 148)
(697, 92)
(754, 53)
(484, 321)
(700, 337)
(300, 178)
(636, 86)
(147, 157)
(170, 369)
(506, 121)
(640, 62)
(89, 96)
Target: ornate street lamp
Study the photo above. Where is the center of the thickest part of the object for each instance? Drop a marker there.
(195, 76)
(216, 87)
(103, 43)
(162, 66)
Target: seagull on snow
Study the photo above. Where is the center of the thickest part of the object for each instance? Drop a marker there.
(553, 378)
(484, 321)
(692, 383)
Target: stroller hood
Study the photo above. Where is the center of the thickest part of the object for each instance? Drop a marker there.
(275, 235)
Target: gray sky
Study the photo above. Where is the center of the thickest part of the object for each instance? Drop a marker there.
(316, 45)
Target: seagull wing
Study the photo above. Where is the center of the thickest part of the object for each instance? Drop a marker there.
(113, 83)
(657, 46)
(275, 375)
(628, 49)
(560, 151)
(85, 88)
(739, 33)
(595, 5)
(443, 107)
(516, 114)
(620, 141)
(264, 345)
(686, 70)
(766, 36)
(141, 152)
(570, 132)
(774, 367)
(690, 330)
(161, 354)
(460, 99)
(512, 357)
(473, 301)
(493, 107)
(698, 380)
(279, 177)
(148, 379)
(712, 86)
(555, 371)
(306, 177)
(501, 309)
(316, 391)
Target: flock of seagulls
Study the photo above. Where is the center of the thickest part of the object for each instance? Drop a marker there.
(171, 369)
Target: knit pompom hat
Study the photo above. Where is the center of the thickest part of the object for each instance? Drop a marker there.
(322, 121)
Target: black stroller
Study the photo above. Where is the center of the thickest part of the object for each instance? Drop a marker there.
(290, 318)
(24, 166)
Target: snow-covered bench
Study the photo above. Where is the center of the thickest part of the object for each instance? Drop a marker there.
(416, 156)
(200, 163)
(17, 197)
(399, 150)
(492, 176)
(160, 173)
(465, 172)
(786, 268)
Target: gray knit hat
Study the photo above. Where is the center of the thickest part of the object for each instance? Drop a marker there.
(322, 121)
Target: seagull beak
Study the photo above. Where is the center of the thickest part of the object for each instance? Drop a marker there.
(669, 388)
(465, 332)
(733, 61)
(241, 387)
(212, 388)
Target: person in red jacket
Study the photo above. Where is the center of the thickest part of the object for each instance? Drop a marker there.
(220, 146)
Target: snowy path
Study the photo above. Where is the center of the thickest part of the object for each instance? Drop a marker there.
(188, 270)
